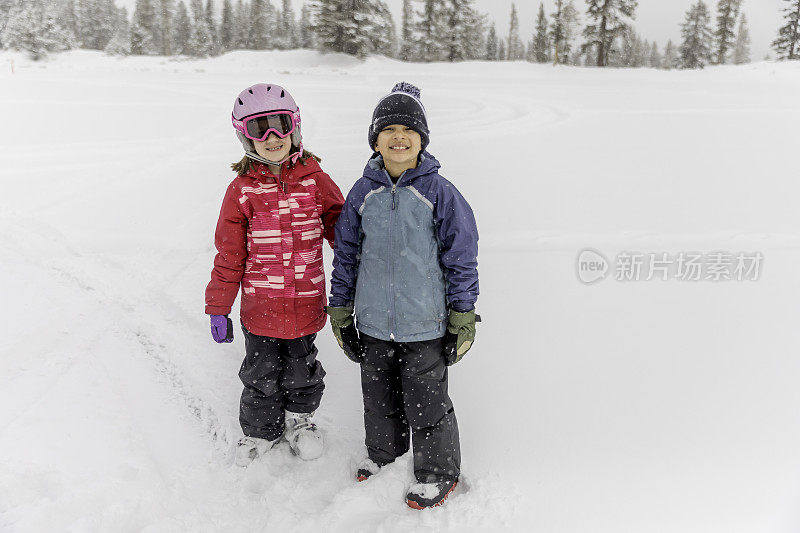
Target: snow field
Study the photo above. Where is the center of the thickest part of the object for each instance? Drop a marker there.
(620, 407)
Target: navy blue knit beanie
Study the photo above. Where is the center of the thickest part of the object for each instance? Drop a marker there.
(401, 106)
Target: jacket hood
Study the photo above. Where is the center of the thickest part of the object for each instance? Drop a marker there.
(376, 171)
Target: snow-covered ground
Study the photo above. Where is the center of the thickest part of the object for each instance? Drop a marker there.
(649, 406)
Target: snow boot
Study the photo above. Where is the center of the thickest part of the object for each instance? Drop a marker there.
(248, 448)
(425, 495)
(366, 468)
(301, 433)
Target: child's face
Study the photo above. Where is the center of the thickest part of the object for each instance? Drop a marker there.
(399, 144)
(274, 148)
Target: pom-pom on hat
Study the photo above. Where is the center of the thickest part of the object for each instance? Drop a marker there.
(401, 106)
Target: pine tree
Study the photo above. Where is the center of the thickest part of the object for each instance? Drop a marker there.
(261, 23)
(539, 49)
(370, 28)
(327, 27)
(429, 28)
(357, 23)
(610, 18)
(155, 29)
(69, 19)
(516, 50)
(22, 27)
(741, 49)
(143, 29)
(33, 28)
(288, 26)
(408, 38)
(727, 13)
(491, 45)
(183, 29)
(380, 27)
(697, 37)
(226, 26)
(389, 29)
(166, 16)
(563, 30)
(201, 40)
(627, 53)
(633, 52)
(465, 29)
(210, 18)
(97, 22)
(120, 44)
(655, 59)
(212, 26)
(55, 36)
(282, 36)
(642, 53)
(5, 9)
(349, 26)
(587, 58)
(557, 32)
(670, 60)
(571, 24)
(787, 45)
(272, 21)
(501, 49)
(107, 23)
(241, 25)
(85, 13)
(305, 35)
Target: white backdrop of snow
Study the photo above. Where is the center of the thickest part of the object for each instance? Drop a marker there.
(651, 406)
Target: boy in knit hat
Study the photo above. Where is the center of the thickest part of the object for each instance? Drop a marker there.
(406, 264)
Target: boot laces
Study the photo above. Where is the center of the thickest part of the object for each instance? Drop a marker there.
(305, 423)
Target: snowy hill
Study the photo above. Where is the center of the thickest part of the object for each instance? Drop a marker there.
(621, 406)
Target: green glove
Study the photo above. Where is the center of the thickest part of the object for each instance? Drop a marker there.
(341, 317)
(460, 335)
(345, 332)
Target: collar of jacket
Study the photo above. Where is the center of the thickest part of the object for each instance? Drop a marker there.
(289, 173)
(376, 171)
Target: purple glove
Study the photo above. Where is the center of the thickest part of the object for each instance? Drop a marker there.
(221, 328)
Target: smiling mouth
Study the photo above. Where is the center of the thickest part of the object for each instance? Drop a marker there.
(399, 147)
(275, 149)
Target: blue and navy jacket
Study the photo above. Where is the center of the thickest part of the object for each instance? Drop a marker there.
(405, 252)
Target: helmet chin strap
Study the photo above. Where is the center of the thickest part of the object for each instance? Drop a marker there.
(254, 155)
(250, 149)
(293, 156)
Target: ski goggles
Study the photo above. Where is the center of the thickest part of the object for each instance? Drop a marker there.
(258, 127)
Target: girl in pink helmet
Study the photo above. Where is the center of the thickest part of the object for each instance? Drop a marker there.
(269, 237)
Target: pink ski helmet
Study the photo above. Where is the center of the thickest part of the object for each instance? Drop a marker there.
(260, 99)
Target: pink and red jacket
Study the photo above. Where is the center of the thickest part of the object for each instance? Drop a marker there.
(269, 238)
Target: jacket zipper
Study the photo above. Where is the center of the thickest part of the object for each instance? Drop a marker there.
(284, 268)
(391, 265)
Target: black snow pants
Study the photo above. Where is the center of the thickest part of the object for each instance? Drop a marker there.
(278, 375)
(405, 395)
